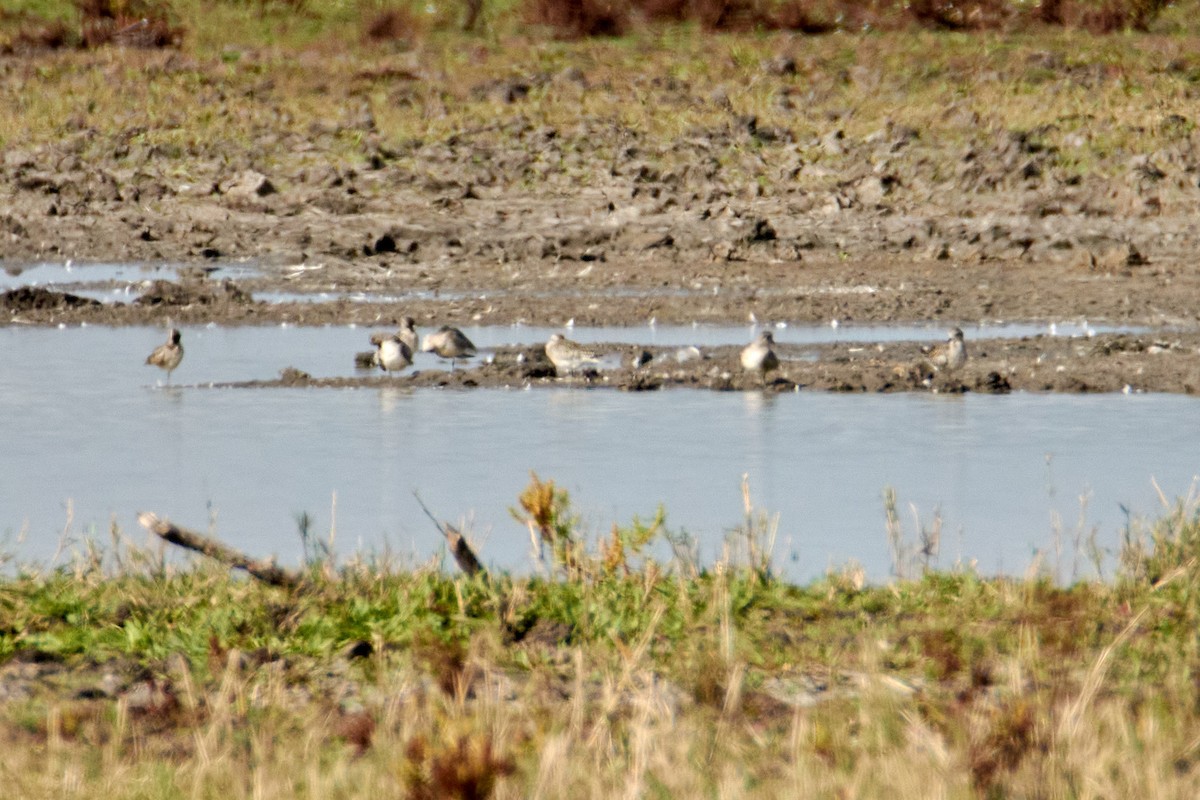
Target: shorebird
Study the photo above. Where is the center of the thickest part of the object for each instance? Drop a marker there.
(391, 354)
(568, 356)
(449, 343)
(759, 356)
(949, 356)
(167, 356)
(408, 333)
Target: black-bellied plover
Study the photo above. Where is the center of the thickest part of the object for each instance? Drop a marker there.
(448, 342)
(759, 356)
(167, 356)
(408, 333)
(949, 356)
(391, 354)
(568, 356)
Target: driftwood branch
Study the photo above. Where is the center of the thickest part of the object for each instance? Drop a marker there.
(464, 556)
(263, 569)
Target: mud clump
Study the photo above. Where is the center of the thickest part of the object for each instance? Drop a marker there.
(290, 376)
(36, 298)
(169, 293)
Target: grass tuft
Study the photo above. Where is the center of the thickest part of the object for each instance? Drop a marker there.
(576, 19)
(467, 766)
(396, 24)
(127, 23)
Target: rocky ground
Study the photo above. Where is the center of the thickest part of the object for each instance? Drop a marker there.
(599, 223)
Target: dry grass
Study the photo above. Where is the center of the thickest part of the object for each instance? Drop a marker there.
(582, 723)
(727, 683)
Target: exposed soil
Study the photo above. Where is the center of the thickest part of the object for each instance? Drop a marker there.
(886, 228)
(1103, 363)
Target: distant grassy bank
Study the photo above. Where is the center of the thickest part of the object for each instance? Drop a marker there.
(608, 674)
(237, 79)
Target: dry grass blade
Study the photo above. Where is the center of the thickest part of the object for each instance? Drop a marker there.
(1095, 679)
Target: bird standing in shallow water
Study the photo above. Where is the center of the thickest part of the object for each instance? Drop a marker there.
(949, 356)
(759, 356)
(568, 356)
(392, 355)
(167, 356)
(408, 333)
(449, 343)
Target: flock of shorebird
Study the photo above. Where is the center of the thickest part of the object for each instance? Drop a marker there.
(394, 351)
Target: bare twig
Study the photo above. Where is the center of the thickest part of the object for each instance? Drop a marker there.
(464, 556)
(263, 569)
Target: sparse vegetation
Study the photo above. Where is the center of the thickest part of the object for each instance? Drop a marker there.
(125, 677)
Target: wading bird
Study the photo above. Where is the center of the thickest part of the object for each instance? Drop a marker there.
(759, 356)
(949, 356)
(449, 343)
(391, 354)
(167, 356)
(408, 333)
(568, 356)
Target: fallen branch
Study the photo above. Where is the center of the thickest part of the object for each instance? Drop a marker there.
(263, 569)
(464, 556)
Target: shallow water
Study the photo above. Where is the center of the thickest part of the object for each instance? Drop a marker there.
(122, 283)
(85, 423)
(108, 283)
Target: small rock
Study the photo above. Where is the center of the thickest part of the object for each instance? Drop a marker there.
(833, 143)
(724, 251)
(872, 190)
(938, 251)
(652, 241)
(249, 184)
(1120, 258)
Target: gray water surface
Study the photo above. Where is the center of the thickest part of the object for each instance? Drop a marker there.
(108, 283)
(120, 283)
(84, 424)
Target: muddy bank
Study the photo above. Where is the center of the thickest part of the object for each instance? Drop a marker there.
(767, 216)
(1102, 363)
(751, 211)
(878, 290)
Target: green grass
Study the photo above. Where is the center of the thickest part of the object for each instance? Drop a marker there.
(248, 72)
(610, 673)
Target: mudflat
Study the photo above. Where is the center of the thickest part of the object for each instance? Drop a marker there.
(683, 178)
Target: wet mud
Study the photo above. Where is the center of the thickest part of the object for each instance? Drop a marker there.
(1101, 363)
(888, 227)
